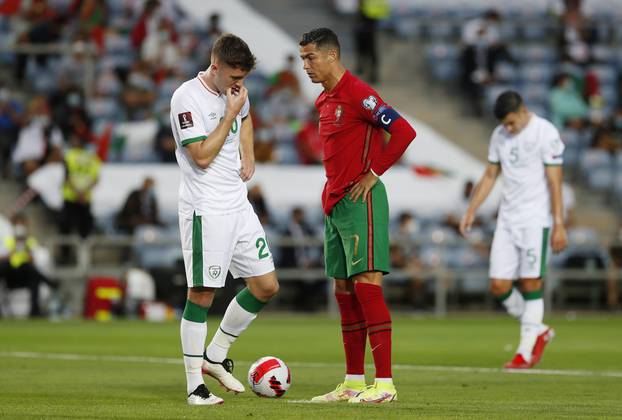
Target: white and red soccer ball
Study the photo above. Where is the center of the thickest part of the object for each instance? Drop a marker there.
(269, 377)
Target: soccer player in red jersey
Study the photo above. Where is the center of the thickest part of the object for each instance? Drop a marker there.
(352, 126)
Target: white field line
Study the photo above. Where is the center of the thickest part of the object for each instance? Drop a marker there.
(310, 365)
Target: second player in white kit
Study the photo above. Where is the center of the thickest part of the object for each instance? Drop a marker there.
(528, 151)
(220, 232)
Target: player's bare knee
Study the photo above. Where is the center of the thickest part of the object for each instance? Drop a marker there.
(264, 287)
(343, 286)
(271, 289)
(202, 296)
(500, 287)
(531, 285)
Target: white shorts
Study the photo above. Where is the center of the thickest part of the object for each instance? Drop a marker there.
(519, 253)
(214, 245)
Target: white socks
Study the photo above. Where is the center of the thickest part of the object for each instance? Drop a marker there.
(193, 335)
(236, 320)
(531, 326)
(514, 303)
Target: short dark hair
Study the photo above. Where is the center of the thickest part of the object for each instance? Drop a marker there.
(508, 102)
(234, 52)
(321, 37)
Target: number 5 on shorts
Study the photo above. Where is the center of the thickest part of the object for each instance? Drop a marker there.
(262, 246)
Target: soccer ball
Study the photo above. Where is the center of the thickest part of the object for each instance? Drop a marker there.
(269, 377)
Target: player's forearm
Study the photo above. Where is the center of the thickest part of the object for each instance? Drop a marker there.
(402, 134)
(481, 192)
(247, 146)
(204, 152)
(554, 177)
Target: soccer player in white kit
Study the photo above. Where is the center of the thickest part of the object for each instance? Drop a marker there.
(220, 232)
(528, 150)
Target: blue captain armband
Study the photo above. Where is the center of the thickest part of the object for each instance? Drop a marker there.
(385, 116)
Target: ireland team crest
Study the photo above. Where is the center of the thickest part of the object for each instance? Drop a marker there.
(214, 271)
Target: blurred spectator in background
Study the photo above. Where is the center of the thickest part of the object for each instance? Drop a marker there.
(140, 208)
(483, 49)
(147, 23)
(41, 26)
(11, 119)
(207, 37)
(258, 201)
(604, 140)
(93, 19)
(404, 235)
(365, 34)
(568, 197)
(453, 219)
(404, 257)
(68, 107)
(286, 77)
(301, 255)
(81, 175)
(74, 67)
(576, 34)
(139, 95)
(308, 141)
(39, 141)
(159, 50)
(165, 145)
(18, 269)
(567, 106)
(616, 121)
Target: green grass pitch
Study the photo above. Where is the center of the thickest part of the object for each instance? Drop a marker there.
(125, 369)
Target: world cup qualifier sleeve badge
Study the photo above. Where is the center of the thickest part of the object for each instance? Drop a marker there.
(185, 120)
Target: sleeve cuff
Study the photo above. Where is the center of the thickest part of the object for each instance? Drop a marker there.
(192, 140)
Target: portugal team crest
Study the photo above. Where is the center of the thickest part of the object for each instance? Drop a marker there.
(214, 271)
(338, 113)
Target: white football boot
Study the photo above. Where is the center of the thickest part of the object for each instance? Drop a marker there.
(202, 396)
(222, 373)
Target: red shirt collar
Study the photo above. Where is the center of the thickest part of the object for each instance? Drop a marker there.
(340, 84)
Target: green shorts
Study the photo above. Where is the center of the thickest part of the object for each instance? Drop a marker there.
(357, 235)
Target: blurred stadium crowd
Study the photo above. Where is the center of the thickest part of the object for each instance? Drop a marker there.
(101, 73)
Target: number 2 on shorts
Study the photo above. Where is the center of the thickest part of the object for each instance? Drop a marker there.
(261, 245)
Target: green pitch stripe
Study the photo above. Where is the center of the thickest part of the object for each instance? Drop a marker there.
(543, 254)
(192, 140)
(197, 251)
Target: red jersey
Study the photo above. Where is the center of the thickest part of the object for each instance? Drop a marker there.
(352, 119)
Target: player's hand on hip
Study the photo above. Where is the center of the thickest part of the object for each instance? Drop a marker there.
(236, 97)
(361, 188)
(466, 222)
(248, 169)
(559, 239)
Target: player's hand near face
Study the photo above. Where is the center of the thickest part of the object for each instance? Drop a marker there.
(559, 240)
(236, 97)
(361, 188)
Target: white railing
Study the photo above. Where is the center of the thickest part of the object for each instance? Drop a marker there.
(444, 278)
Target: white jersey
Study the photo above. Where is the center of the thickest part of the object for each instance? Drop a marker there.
(196, 111)
(525, 196)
